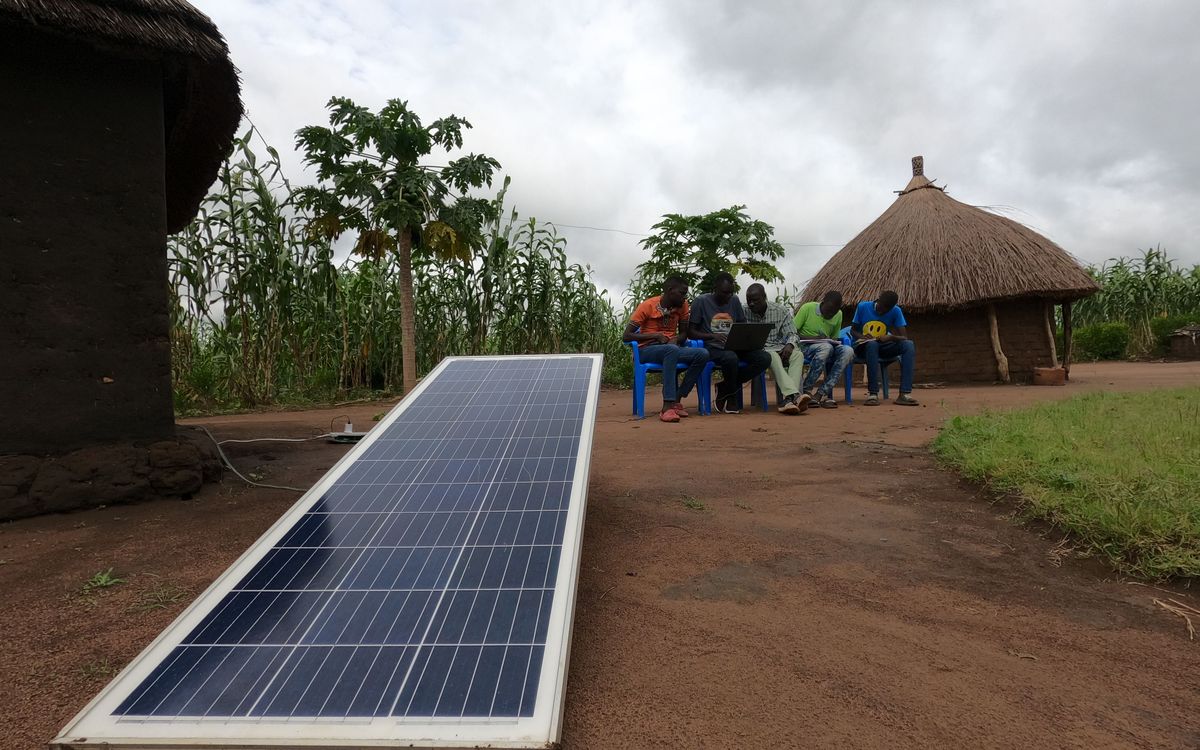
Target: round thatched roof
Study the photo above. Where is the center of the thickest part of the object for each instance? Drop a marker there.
(940, 254)
(202, 106)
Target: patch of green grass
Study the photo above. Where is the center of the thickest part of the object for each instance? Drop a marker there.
(1120, 471)
(692, 503)
(102, 580)
(162, 595)
(99, 668)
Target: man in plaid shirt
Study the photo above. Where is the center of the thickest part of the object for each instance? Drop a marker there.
(787, 363)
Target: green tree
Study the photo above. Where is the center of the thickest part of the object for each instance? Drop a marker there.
(373, 184)
(700, 247)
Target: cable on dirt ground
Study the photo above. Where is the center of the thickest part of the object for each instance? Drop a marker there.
(225, 459)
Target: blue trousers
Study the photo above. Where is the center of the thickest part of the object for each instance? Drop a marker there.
(670, 356)
(827, 358)
(873, 351)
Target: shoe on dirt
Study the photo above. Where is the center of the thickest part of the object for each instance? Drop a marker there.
(872, 400)
(668, 415)
(906, 400)
(789, 406)
(803, 401)
(828, 402)
(678, 409)
(726, 406)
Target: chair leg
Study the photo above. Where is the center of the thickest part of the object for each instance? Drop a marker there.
(884, 378)
(761, 384)
(639, 393)
(847, 380)
(704, 390)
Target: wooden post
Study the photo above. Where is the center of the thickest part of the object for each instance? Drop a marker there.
(1050, 334)
(1001, 360)
(1067, 342)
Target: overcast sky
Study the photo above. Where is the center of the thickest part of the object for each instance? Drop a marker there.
(1081, 117)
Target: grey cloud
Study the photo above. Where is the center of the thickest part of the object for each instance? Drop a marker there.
(1079, 115)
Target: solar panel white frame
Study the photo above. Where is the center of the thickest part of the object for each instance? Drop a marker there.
(96, 727)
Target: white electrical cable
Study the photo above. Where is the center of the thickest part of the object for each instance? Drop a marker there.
(227, 462)
(279, 440)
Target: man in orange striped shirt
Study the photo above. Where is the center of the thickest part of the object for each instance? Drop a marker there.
(659, 326)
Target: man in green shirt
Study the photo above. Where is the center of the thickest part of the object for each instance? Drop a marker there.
(818, 327)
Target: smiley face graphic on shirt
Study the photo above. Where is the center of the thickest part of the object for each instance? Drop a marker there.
(875, 328)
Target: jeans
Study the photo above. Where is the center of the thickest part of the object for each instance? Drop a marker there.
(873, 351)
(734, 375)
(669, 356)
(787, 378)
(827, 358)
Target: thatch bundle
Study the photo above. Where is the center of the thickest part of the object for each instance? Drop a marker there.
(202, 106)
(940, 254)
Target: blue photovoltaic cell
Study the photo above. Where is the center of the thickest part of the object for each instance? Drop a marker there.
(420, 583)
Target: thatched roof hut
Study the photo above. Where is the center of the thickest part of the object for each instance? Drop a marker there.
(954, 264)
(201, 102)
(118, 114)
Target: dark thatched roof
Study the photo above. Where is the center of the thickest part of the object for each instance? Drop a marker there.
(940, 254)
(202, 106)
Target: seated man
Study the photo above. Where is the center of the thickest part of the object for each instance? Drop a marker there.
(817, 327)
(712, 316)
(787, 365)
(880, 332)
(659, 325)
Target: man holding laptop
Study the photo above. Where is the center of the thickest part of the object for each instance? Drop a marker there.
(818, 327)
(713, 318)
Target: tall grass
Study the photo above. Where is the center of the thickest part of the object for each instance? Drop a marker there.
(266, 313)
(1137, 291)
(1120, 471)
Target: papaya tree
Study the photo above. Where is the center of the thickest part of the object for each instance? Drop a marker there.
(372, 183)
(700, 247)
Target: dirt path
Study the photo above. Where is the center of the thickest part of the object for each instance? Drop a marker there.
(836, 589)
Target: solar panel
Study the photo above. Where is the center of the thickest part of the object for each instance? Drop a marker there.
(421, 592)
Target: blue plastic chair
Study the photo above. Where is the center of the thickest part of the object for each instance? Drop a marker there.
(759, 384)
(640, 369)
(883, 376)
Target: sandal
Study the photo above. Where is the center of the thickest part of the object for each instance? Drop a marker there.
(668, 415)
(872, 400)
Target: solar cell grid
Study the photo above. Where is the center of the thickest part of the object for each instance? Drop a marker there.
(419, 584)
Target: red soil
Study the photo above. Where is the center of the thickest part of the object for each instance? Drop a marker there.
(837, 589)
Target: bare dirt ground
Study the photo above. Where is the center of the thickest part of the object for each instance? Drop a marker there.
(836, 588)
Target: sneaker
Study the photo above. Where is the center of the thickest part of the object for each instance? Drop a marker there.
(789, 406)
(727, 405)
(803, 401)
(678, 409)
(668, 415)
(872, 400)
(906, 400)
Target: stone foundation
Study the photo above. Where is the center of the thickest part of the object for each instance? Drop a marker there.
(107, 474)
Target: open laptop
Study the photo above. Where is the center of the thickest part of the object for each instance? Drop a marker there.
(746, 337)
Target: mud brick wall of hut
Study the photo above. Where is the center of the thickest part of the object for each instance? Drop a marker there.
(86, 354)
(956, 346)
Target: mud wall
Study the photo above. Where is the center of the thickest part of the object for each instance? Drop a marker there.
(957, 346)
(84, 349)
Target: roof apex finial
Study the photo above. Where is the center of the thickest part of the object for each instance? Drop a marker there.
(918, 163)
